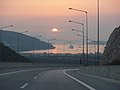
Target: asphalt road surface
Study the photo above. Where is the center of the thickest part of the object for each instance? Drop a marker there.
(53, 79)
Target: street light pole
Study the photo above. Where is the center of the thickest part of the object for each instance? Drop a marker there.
(87, 37)
(48, 44)
(64, 46)
(86, 29)
(78, 35)
(83, 41)
(98, 32)
(95, 44)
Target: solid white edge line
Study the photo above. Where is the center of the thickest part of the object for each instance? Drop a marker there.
(24, 85)
(99, 77)
(84, 84)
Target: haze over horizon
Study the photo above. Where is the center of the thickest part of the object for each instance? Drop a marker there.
(40, 17)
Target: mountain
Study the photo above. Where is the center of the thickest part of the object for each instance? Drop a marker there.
(7, 54)
(21, 42)
(111, 53)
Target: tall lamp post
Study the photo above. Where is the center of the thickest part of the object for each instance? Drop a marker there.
(80, 31)
(34, 43)
(1, 31)
(98, 32)
(83, 38)
(86, 28)
(95, 43)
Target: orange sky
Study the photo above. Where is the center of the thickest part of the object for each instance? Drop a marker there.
(40, 16)
(33, 8)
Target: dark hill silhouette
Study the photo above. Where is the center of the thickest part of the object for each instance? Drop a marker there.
(112, 50)
(9, 55)
(10, 39)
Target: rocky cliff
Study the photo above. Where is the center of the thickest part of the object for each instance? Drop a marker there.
(112, 50)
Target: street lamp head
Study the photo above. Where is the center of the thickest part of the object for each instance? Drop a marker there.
(77, 30)
(77, 10)
(11, 25)
(80, 35)
(24, 31)
(76, 22)
(70, 8)
(72, 29)
(52, 39)
(40, 35)
(6, 26)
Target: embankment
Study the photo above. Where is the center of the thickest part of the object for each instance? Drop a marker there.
(110, 71)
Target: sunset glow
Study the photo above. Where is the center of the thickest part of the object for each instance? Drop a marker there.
(40, 16)
(33, 8)
(54, 30)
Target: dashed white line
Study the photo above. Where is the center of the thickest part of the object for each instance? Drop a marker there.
(34, 77)
(26, 84)
(84, 84)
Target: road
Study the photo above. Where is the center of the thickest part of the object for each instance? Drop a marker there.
(53, 79)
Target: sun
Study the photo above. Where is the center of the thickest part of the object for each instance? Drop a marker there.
(54, 30)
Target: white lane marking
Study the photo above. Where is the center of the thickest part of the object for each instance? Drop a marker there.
(34, 77)
(17, 72)
(84, 84)
(24, 85)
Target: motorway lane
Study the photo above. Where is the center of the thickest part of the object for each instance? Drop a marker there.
(99, 83)
(38, 79)
(52, 79)
(55, 80)
(14, 80)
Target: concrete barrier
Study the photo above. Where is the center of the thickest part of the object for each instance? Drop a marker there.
(111, 71)
(10, 65)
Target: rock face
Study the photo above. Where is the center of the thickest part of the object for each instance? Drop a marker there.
(112, 50)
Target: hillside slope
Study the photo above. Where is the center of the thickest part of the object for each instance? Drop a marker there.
(7, 54)
(112, 50)
(24, 42)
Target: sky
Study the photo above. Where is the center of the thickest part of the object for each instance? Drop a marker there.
(39, 17)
